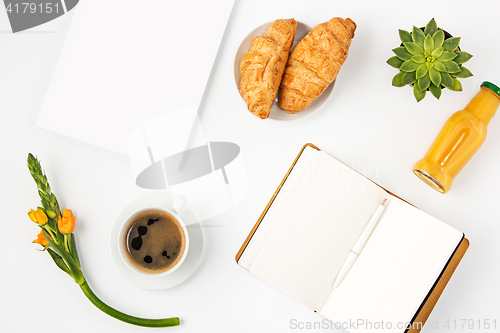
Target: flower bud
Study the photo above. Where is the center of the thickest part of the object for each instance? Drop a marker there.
(32, 215)
(52, 199)
(38, 216)
(50, 214)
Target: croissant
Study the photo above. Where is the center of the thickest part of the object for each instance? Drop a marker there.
(314, 63)
(261, 68)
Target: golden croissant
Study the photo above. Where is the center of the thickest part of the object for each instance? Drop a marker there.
(261, 68)
(314, 63)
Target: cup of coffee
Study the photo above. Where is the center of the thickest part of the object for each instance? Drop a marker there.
(153, 241)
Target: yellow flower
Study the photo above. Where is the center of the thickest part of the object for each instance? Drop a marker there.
(66, 222)
(41, 240)
(38, 216)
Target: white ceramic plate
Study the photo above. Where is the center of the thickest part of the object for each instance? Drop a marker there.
(276, 113)
(193, 257)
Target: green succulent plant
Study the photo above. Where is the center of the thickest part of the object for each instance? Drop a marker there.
(429, 61)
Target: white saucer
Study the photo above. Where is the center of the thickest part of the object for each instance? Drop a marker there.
(276, 113)
(193, 257)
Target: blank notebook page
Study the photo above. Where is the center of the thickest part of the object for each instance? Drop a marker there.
(279, 204)
(396, 269)
(316, 230)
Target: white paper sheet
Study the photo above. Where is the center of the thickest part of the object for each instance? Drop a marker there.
(125, 62)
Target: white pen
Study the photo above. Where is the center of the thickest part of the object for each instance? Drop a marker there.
(360, 243)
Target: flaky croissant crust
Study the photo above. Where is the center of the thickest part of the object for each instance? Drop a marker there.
(262, 67)
(314, 63)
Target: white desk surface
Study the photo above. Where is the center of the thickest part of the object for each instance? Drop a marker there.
(377, 129)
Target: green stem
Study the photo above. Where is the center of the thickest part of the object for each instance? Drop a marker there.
(50, 231)
(76, 273)
(66, 244)
(166, 322)
(74, 252)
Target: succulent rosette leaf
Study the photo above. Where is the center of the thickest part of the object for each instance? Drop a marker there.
(429, 61)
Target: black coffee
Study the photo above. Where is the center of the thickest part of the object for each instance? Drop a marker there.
(154, 241)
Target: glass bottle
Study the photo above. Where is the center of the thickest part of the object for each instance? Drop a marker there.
(459, 139)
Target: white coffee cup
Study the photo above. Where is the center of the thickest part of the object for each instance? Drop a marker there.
(173, 211)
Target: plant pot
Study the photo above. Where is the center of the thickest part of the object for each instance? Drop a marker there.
(429, 59)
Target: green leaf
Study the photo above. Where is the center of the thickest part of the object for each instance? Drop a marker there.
(405, 36)
(424, 82)
(429, 65)
(446, 80)
(402, 53)
(75, 272)
(418, 58)
(413, 48)
(408, 78)
(396, 80)
(73, 250)
(447, 56)
(421, 70)
(437, 52)
(464, 72)
(451, 44)
(457, 86)
(438, 38)
(451, 67)
(462, 57)
(395, 62)
(439, 66)
(409, 66)
(428, 43)
(431, 27)
(435, 76)
(435, 90)
(419, 95)
(418, 36)
(59, 262)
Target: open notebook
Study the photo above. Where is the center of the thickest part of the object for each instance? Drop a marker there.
(313, 221)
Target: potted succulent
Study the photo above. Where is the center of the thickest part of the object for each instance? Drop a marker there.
(429, 59)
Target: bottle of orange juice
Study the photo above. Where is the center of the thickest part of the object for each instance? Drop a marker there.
(459, 139)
